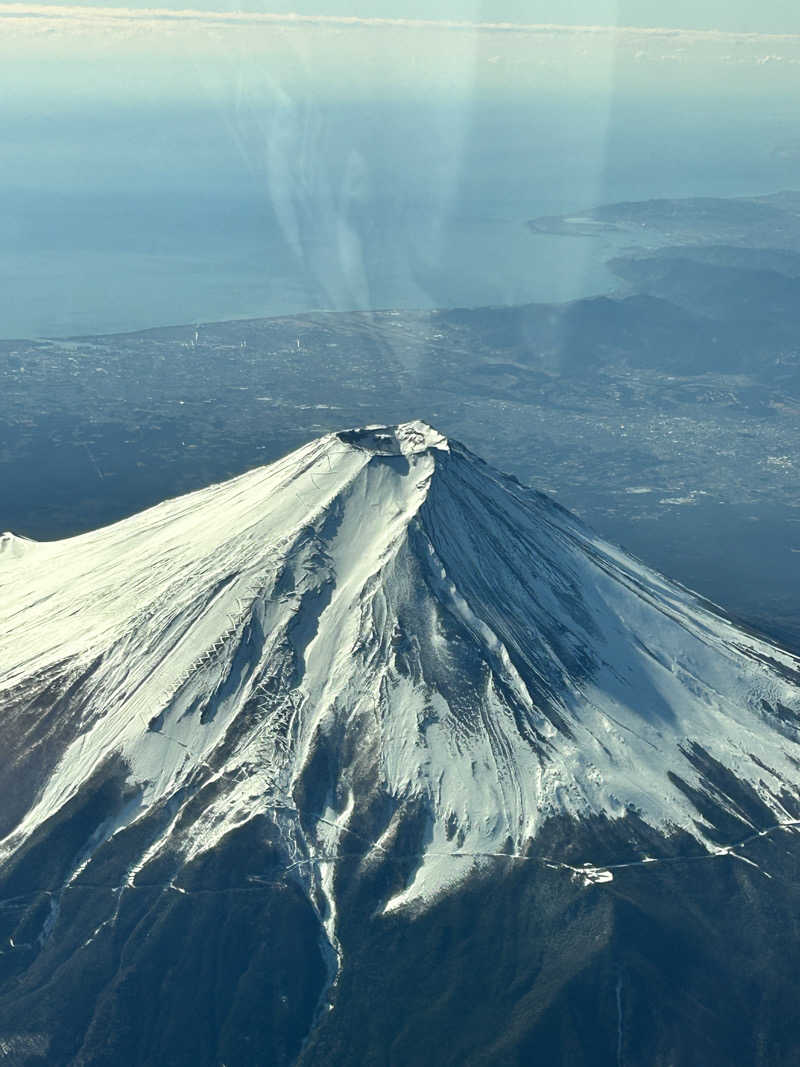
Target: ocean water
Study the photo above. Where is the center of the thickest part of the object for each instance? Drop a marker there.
(122, 221)
(57, 292)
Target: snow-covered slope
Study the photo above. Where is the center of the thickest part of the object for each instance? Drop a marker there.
(443, 636)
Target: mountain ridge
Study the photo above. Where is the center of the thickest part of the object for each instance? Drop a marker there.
(430, 593)
(361, 682)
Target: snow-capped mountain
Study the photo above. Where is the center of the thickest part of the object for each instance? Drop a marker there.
(381, 648)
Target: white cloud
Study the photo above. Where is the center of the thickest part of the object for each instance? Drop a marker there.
(389, 50)
(49, 15)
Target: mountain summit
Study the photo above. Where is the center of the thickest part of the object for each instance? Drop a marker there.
(378, 647)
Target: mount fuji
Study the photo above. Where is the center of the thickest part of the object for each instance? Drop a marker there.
(375, 755)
